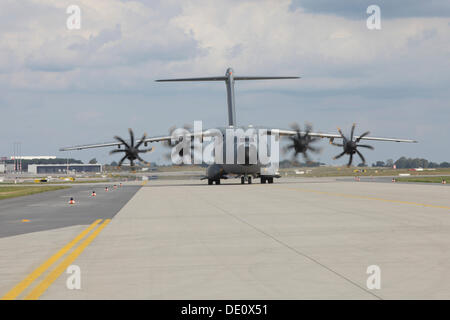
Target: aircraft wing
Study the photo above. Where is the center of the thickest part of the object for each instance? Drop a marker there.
(281, 132)
(145, 141)
(333, 136)
(112, 144)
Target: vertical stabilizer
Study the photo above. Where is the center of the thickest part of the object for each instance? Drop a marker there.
(229, 79)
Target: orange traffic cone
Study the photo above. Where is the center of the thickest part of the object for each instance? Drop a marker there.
(71, 201)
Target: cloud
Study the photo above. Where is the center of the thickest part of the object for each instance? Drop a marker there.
(140, 41)
(90, 83)
(356, 9)
(96, 42)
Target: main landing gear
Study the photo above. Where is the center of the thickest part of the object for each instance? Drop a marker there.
(266, 179)
(211, 181)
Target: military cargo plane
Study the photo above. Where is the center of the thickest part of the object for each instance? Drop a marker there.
(301, 141)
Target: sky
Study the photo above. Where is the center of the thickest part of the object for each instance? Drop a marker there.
(61, 87)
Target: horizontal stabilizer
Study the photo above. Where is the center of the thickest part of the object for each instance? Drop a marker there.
(263, 78)
(220, 78)
(229, 80)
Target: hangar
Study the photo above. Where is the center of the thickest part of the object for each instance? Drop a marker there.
(63, 168)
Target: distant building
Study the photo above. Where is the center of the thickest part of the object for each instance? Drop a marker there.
(2, 168)
(62, 168)
(32, 157)
(9, 167)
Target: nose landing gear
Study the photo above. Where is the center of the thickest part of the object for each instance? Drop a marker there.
(246, 178)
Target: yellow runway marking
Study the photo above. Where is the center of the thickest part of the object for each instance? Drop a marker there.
(52, 276)
(19, 288)
(354, 196)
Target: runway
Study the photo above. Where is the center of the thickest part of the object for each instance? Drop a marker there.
(294, 239)
(50, 210)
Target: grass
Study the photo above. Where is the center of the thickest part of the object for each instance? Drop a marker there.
(20, 191)
(370, 171)
(77, 181)
(435, 179)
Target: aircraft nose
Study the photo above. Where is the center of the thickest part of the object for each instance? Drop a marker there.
(229, 71)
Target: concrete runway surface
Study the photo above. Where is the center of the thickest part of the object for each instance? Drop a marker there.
(295, 239)
(50, 210)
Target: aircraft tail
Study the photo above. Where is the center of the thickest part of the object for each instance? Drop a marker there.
(229, 79)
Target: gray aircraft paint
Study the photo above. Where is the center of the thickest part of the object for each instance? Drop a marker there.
(216, 171)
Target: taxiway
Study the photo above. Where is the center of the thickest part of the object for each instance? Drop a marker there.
(300, 238)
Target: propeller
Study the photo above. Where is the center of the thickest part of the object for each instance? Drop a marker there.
(172, 142)
(131, 150)
(351, 146)
(301, 141)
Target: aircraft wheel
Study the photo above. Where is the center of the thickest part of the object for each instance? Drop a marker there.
(263, 180)
(249, 180)
(242, 180)
(210, 182)
(217, 181)
(270, 180)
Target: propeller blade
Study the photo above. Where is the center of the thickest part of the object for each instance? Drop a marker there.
(339, 155)
(141, 141)
(285, 149)
(361, 156)
(168, 156)
(123, 141)
(142, 160)
(308, 128)
(145, 150)
(169, 143)
(352, 132)
(305, 156)
(314, 149)
(116, 151)
(131, 137)
(294, 126)
(350, 160)
(362, 136)
(122, 160)
(342, 135)
(291, 146)
(366, 146)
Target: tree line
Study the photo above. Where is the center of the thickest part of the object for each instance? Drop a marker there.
(408, 163)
